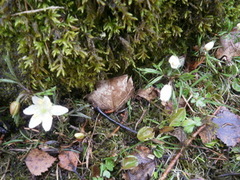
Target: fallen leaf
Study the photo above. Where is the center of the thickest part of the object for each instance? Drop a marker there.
(68, 160)
(146, 165)
(228, 129)
(38, 161)
(207, 134)
(193, 64)
(149, 94)
(179, 134)
(112, 94)
(230, 46)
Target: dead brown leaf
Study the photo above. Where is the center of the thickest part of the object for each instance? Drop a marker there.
(228, 126)
(207, 134)
(146, 165)
(112, 94)
(179, 134)
(68, 160)
(149, 94)
(230, 46)
(38, 161)
(193, 64)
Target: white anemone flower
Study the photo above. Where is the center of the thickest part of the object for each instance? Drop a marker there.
(209, 46)
(166, 93)
(42, 111)
(176, 62)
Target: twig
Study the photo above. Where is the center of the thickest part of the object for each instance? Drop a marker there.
(115, 122)
(186, 101)
(3, 176)
(141, 118)
(217, 153)
(37, 10)
(173, 162)
(229, 174)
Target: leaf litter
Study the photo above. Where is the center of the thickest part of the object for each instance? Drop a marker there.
(112, 94)
(149, 94)
(228, 130)
(38, 161)
(146, 165)
(68, 160)
(225, 125)
(230, 45)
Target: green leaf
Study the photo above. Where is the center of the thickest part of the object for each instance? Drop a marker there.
(187, 76)
(109, 163)
(198, 121)
(8, 81)
(188, 129)
(129, 162)
(159, 151)
(177, 118)
(106, 174)
(149, 70)
(145, 134)
(188, 125)
(236, 84)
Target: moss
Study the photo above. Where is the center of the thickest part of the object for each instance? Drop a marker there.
(93, 38)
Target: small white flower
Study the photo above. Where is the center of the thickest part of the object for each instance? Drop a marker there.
(166, 93)
(176, 62)
(209, 46)
(42, 111)
(238, 26)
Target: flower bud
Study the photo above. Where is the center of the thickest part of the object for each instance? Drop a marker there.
(238, 26)
(14, 108)
(166, 93)
(79, 136)
(209, 46)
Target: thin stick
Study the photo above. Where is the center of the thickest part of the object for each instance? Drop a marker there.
(173, 162)
(37, 10)
(8, 163)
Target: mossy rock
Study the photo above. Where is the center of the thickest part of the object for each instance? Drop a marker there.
(72, 44)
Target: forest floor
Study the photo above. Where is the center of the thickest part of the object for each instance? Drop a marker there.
(174, 120)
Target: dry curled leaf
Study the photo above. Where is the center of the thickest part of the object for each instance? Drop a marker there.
(228, 126)
(230, 45)
(146, 165)
(112, 94)
(179, 134)
(38, 161)
(149, 94)
(68, 160)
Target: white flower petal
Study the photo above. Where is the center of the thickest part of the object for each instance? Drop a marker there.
(47, 100)
(35, 121)
(174, 62)
(47, 122)
(36, 99)
(58, 110)
(30, 110)
(166, 93)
